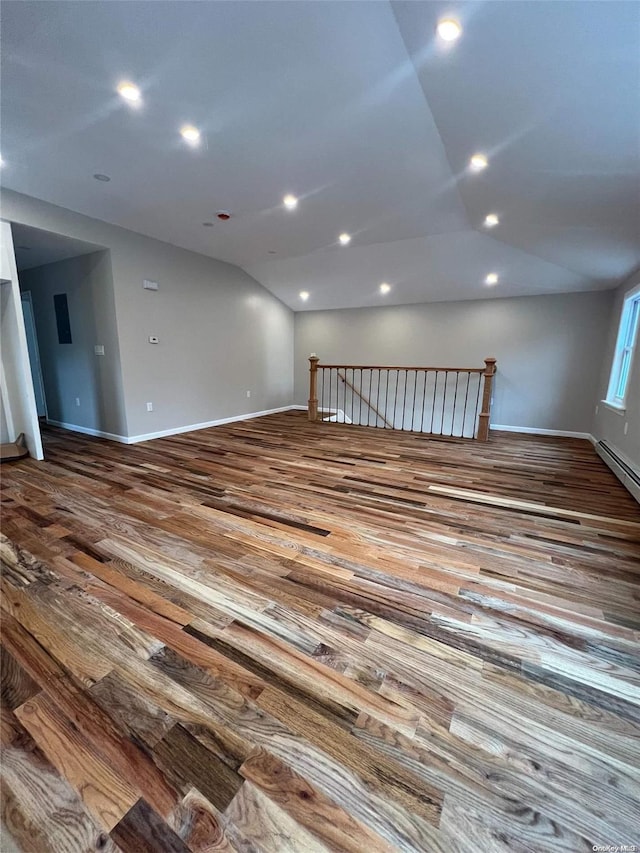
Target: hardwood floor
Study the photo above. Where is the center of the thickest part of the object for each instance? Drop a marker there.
(283, 636)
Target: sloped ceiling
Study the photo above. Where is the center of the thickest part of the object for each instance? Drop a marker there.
(358, 110)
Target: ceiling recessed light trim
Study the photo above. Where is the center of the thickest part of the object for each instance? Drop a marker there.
(129, 91)
(344, 239)
(491, 279)
(478, 162)
(304, 295)
(491, 220)
(290, 201)
(190, 134)
(104, 178)
(208, 224)
(449, 29)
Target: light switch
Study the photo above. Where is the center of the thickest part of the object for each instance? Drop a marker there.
(150, 285)
(98, 349)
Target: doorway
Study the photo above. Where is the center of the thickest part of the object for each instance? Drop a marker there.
(34, 353)
(61, 280)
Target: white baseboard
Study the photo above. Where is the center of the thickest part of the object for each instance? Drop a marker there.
(539, 431)
(136, 439)
(88, 431)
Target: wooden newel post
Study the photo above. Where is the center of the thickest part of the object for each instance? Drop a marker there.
(313, 387)
(485, 412)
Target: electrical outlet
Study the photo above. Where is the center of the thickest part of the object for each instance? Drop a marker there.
(99, 349)
(149, 407)
(77, 401)
(248, 393)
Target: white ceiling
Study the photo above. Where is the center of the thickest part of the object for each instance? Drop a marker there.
(34, 247)
(358, 110)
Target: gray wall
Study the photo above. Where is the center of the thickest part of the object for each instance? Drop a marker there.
(221, 333)
(73, 370)
(609, 425)
(549, 349)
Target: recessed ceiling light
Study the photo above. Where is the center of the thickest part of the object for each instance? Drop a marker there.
(345, 239)
(208, 224)
(190, 133)
(272, 251)
(384, 287)
(100, 177)
(304, 295)
(449, 29)
(492, 278)
(290, 202)
(491, 220)
(129, 92)
(478, 162)
(223, 215)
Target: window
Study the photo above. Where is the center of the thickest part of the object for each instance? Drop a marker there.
(623, 356)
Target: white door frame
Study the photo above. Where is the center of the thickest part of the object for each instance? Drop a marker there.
(18, 383)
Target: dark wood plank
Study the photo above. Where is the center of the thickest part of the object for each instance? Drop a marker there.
(142, 830)
(189, 764)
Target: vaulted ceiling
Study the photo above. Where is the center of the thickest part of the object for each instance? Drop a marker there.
(363, 113)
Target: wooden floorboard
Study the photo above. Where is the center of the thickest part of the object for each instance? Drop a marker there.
(283, 636)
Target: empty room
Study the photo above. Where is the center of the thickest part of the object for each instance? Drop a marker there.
(320, 386)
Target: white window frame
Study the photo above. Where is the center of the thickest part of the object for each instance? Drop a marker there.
(625, 348)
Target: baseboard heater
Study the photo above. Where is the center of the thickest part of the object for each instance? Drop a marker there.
(627, 475)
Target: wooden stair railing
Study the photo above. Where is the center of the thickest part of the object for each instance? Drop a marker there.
(484, 418)
(368, 403)
(445, 401)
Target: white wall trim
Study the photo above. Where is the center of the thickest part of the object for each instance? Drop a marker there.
(88, 431)
(19, 397)
(540, 431)
(136, 439)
